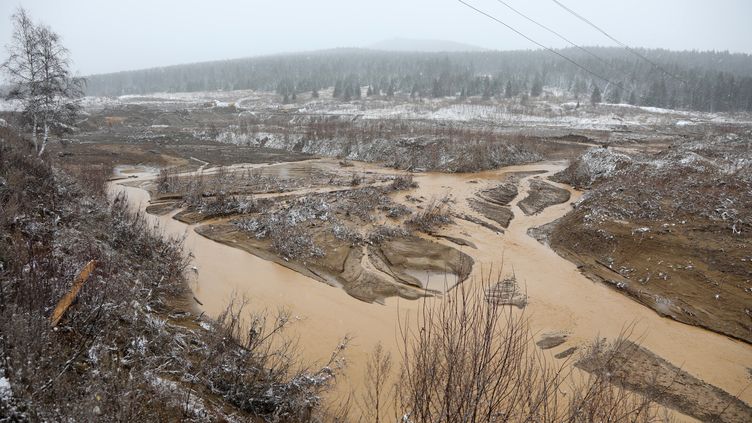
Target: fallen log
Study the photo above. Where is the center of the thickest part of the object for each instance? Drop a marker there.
(68, 298)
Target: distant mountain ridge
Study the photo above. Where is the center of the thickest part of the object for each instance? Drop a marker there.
(422, 45)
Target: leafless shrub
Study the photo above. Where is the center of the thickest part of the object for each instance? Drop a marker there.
(396, 210)
(286, 227)
(92, 177)
(294, 243)
(378, 386)
(362, 202)
(468, 360)
(435, 214)
(403, 182)
(252, 365)
(473, 361)
(167, 181)
(227, 205)
(346, 233)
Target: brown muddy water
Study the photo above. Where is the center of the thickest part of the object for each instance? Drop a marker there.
(560, 298)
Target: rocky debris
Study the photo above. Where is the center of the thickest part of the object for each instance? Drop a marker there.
(551, 340)
(542, 195)
(506, 292)
(633, 367)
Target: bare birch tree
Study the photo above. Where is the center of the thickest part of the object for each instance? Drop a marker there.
(59, 92)
(22, 67)
(38, 68)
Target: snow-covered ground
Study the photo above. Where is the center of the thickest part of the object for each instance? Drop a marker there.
(552, 111)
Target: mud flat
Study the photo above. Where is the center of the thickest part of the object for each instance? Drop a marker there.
(671, 231)
(368, 273)
(635, 368)
(541, 196)
(558, 297)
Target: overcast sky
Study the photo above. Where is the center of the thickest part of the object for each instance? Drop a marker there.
(106, 36)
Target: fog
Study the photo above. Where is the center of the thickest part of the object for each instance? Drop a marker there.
(113, 36)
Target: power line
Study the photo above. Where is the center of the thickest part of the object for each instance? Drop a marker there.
(552, 31)
(539, 44)
(631, 50)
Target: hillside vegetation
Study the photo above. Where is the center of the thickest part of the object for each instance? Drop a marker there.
(705, 81)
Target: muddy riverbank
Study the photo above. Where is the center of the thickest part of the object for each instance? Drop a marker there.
(559, 297)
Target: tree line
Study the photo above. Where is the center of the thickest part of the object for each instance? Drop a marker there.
(705, 81)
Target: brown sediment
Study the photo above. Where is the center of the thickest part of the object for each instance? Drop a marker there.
(551, 340)
(542, 195)
(559, 296)
(456, 240)
(480, 222)
(343, 264)
(638, 369)
(499, 214)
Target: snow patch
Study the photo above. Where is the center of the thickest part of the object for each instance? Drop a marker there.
(5, 390)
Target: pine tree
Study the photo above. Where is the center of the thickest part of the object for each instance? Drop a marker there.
(315, 93)
(595, 98)
(614, 94)
(436, 89)
(537, 89)
(508, 92)
(487, 89)
(632, 98)
(414, 92)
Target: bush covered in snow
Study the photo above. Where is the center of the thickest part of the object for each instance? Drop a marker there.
(596, 164)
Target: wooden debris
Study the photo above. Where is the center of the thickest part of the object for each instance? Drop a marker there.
(68, 299)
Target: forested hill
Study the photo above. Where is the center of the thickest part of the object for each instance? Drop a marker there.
(707, 81)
